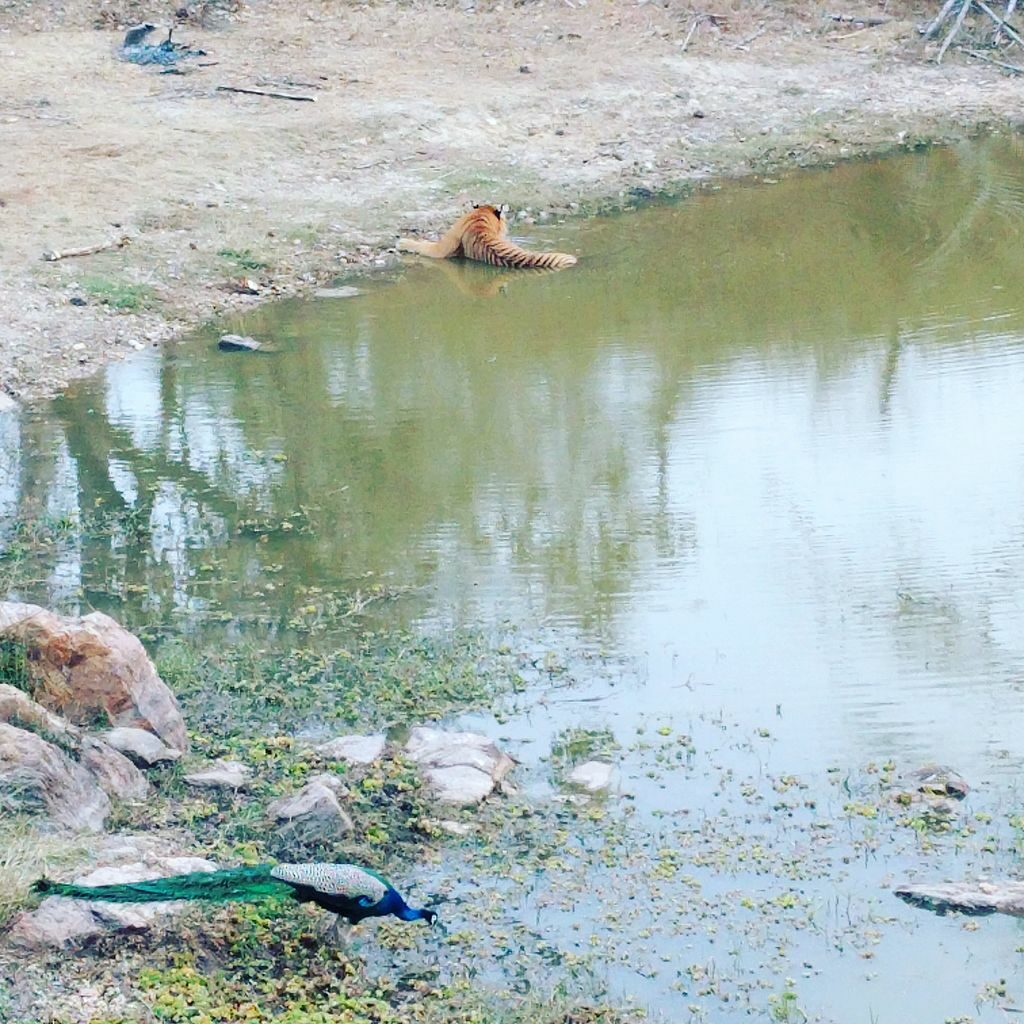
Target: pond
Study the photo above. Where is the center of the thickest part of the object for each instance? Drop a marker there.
(748, 481)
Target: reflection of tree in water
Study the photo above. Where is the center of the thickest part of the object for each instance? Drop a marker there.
(438, 435)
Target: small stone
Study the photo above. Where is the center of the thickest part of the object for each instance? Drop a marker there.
(593, 776)
(221, 775)
(139, 746)
(456, 828)
(353, 749)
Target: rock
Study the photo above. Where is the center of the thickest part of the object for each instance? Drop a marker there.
(967, 897)
(18, 708)
(593, 776)
(81, 667)
(38, 776)
(346, 291)
(456, 828)
(115, 773)
(238, 343)
(938, 780)
(460, 767)
(221, 775)
(140, 747)
(314, 814)
(353, 749)
(60, 922)
(7, 404)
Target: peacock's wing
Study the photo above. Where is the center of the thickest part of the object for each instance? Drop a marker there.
(345, 881)
(245, 883)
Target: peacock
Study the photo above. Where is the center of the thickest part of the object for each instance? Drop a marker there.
(350, 891)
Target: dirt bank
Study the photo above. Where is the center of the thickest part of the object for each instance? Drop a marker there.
(551, 106)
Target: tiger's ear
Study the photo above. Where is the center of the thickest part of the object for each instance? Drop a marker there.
(503, 210)
(476, 206)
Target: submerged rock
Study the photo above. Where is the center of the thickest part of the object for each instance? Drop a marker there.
(238, 343)
(966, 897)
(593, 776)
(140, 747)
(354, 749)
(938, 780)
(38, 777)
(345, 291)
(460, 767)
(221, 775)
(82, 667)
(60, 922)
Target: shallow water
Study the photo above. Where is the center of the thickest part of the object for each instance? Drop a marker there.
(763, 450)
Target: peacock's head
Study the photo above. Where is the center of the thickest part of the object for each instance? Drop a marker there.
(430, 916)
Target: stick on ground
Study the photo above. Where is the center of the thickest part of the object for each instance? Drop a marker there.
(267, 92)
(52, 255)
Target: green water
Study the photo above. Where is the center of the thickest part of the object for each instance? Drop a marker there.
(763, 450)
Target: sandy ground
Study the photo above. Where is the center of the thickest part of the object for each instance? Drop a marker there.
(551, 105)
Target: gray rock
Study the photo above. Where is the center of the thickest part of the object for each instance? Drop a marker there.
(460, 767)
(221, 775)
(1005, 897)
(935, 780)
(353, 749)
(89, 666)
(7, 404)
(238, 343)
(19, 709)
(140, 747)
(313, 814)
(593, 776)
(59, 922)
(38, 777)
(115, 773)
(346, 291)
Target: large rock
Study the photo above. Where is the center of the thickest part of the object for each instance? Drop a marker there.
(18, 708)
(117, 776)
(221, 775)
(37, 776)
(81, 667)
(460, 767)
(313, 814)
(353, 749)
(140, 747)
(1003, 897)
(60, 922)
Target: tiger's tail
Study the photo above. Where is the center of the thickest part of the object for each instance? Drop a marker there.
(503, 253)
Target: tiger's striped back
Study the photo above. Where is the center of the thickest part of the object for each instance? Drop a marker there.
(483, 240)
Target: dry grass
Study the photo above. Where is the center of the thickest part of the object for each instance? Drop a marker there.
(26, 853)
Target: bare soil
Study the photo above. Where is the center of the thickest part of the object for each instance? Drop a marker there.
(555, 106)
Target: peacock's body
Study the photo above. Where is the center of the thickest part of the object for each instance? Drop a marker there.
(347, 890)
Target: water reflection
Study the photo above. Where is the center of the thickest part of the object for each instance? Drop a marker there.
(766, 440)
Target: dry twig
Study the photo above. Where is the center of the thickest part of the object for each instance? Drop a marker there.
(964, 8)
(52, 255)
(266, 92)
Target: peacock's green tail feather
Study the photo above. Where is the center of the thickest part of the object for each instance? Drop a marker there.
(245, 883)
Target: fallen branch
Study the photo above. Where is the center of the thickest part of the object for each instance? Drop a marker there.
(965, 7)
(854, 19)
(267, 92)
(52, 255)
(933, 26)
(1008, 29)
(998, 63)
(744, 43)
(693, 28)
(1011, 6)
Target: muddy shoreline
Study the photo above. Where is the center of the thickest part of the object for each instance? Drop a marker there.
(558, 110)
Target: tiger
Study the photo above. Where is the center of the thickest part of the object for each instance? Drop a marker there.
(480, 235)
